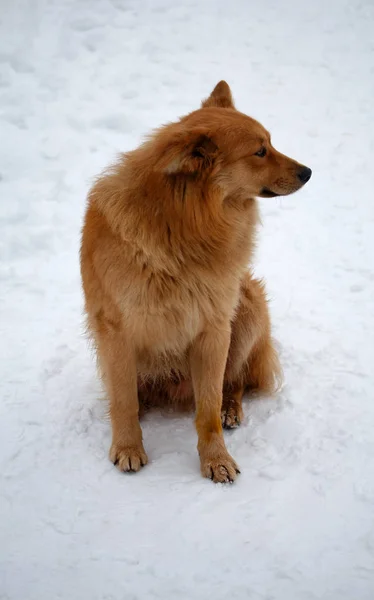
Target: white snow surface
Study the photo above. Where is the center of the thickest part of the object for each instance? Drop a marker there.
(80, 81)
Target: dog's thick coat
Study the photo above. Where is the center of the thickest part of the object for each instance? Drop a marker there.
(172, 308)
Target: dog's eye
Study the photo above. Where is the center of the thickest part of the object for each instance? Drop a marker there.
(261, 153)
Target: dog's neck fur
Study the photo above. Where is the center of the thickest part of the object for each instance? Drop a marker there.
(192, 221)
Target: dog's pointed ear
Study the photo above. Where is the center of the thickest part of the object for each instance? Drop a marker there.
(189, 152)
(221, 97)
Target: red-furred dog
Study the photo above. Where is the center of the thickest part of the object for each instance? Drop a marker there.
(167, 240)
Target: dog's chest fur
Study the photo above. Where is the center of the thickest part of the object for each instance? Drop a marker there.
(161, 280)
(166, 302)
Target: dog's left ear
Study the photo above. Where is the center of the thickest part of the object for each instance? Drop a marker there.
(221, 97)
(190, 152)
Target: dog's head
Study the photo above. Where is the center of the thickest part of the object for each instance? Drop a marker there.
(231, 149)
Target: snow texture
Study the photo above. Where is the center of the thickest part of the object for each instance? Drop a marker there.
(80, 81)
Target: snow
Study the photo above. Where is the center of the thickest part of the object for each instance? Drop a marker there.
(79, 82)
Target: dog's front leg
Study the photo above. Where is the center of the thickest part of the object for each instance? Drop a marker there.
(208, 360)
(118, 360)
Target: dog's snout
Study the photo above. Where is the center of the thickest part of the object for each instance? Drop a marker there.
(304, 174)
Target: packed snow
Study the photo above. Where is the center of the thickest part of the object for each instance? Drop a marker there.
(81, 81)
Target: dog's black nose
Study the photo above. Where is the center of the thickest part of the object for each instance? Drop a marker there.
(304, 174)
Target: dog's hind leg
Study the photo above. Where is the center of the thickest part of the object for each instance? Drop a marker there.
(232, 411)
(252, 360)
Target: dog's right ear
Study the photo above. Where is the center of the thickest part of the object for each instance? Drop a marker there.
(189, 152)
(221, 97)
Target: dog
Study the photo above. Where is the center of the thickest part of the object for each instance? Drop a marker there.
(172, 306)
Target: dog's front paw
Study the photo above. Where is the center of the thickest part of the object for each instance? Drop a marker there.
(220, 469)
(128, 458)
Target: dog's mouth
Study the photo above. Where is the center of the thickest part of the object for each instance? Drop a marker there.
(266, 193)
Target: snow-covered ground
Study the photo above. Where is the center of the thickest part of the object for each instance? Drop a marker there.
(81, 80)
